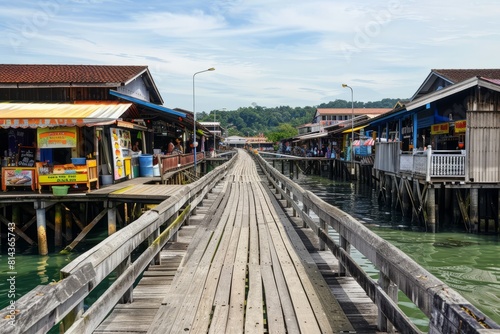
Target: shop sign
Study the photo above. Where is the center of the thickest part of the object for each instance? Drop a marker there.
(440, 129)
(62, 178)
(59, 137)
(460, 126)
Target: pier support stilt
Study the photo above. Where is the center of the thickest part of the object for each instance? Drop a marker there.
(111, 218)
(58, 221)
(431, 209)
(474, 209)
(68, 221)
(41, 227)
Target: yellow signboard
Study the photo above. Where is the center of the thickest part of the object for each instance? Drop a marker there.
(460, 126)
(440, 129)
(63, 178)
(56, 137)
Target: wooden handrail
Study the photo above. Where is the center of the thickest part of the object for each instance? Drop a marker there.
(42, 308)
(446, 309)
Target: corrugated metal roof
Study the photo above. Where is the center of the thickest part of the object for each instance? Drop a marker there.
(33, 115)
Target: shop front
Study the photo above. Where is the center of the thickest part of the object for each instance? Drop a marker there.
(69, 146)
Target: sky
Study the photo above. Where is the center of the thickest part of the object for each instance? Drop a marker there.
(265, 52)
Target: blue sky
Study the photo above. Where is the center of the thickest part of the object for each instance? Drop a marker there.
(265, 52)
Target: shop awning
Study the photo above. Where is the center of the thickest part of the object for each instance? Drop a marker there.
(355, 129)
(313, 135)
(41, 115)
(146, 104)
(366, 142)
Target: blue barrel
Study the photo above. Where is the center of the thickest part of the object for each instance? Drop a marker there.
(146, 165)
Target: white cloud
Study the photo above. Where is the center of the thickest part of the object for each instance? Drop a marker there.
(272, 52)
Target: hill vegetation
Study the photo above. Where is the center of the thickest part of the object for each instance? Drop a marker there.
(278, 122)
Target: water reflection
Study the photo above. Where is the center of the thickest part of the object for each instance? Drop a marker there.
(468, 263)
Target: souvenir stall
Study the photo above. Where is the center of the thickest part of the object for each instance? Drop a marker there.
(47, 144)
(81, 170)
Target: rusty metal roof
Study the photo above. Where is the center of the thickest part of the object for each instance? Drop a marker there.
(70, 74)
(459, 75)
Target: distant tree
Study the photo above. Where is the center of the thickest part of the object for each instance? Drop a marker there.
(258, 119)
(283, 131)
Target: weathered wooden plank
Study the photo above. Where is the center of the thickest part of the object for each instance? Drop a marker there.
(328, 312)
(198, 321)
(254, 319)
(192, 274)
(236, 309)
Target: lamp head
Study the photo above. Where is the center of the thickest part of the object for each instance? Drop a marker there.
(211, 69)
(344, 85)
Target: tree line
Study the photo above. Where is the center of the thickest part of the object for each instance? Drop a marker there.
(279, 122)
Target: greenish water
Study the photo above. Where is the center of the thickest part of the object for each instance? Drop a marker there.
(468, 263)
(31, 270)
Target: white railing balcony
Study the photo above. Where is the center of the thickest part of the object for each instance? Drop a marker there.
(429, 163)
(434, 163)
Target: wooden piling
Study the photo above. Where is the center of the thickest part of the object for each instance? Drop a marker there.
(431, 209)
(58, 221)
(68, 221)
(41, 228)
(111, 218)
(474, 209)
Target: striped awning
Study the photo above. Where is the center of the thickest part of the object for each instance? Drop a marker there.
(43, 115)
(366, 142)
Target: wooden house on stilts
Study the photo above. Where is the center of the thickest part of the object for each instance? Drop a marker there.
(438, 157)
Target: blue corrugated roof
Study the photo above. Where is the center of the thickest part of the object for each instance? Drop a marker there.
(147, 104)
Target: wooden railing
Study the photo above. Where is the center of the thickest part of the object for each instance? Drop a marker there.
(429, 163)
(43, 307)
(175, 161)
(447, 311)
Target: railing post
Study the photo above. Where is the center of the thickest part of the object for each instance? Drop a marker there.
(383, 324)
(128, 296)
(294, 197)
(157, 259)
(429, 164)
(323, 227)
(305, 209)
(344, 244)
(71, 317)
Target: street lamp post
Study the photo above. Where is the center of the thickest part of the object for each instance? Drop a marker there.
(352, 120)
(215, 137)
(195, 143)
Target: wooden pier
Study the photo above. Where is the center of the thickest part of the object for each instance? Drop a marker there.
(245, 270)
(244, 249)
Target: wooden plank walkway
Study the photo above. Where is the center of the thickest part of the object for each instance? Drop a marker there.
(246, 270)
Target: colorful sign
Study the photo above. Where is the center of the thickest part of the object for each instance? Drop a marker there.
(440, 129)
(18, 177)
(63, 178)
(460, 126)
(59, 137)
(120, 146)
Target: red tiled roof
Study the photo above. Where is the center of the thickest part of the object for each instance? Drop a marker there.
(459, 75)
(35, 74)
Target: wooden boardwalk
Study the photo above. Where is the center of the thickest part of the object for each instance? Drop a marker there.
(246, 269)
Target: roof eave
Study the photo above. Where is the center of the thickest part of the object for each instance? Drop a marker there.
(445, 92)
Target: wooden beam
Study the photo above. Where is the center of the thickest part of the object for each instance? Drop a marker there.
(85, 231)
